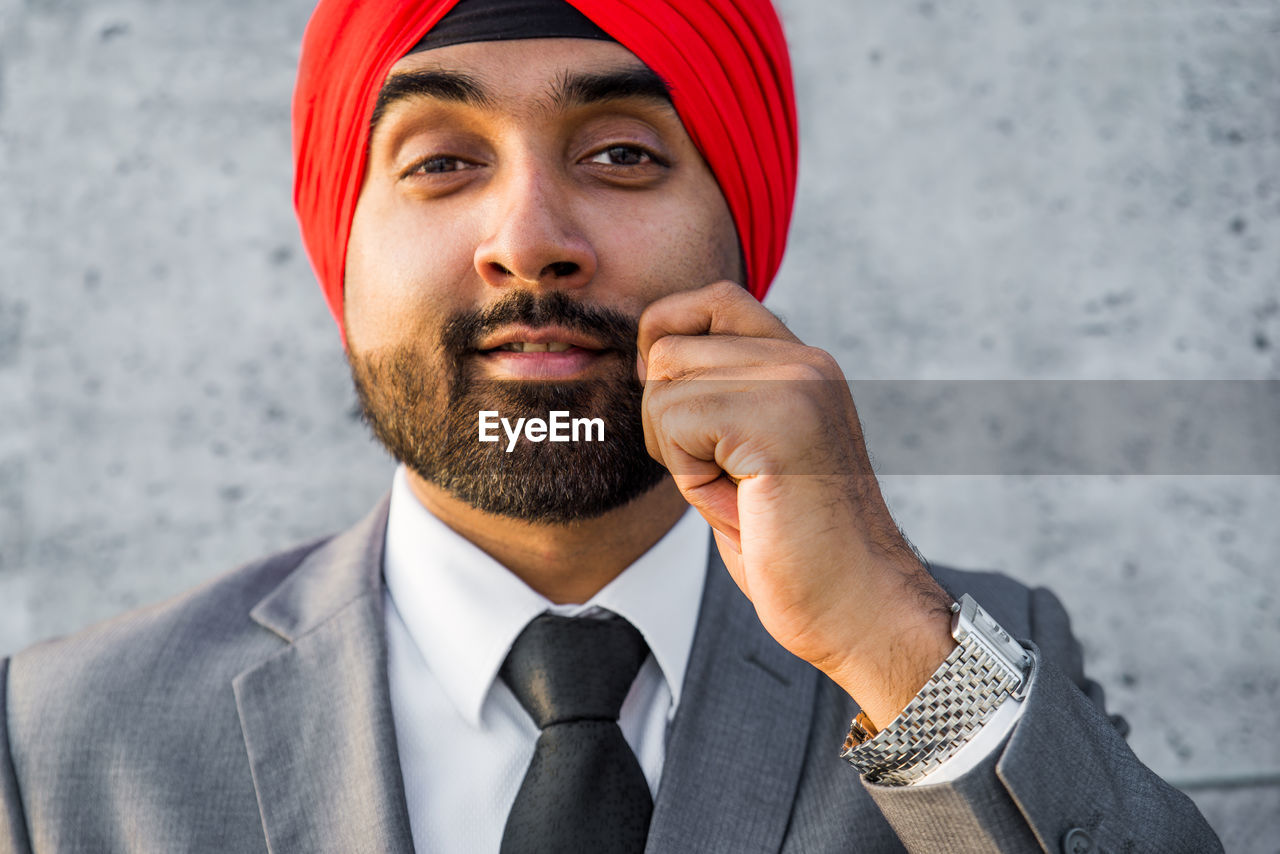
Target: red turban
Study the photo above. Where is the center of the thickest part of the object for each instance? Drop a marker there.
(725, 60)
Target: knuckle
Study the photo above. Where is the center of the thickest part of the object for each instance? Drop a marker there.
(664, 354)
(824, 362)
(726, 292)
(803, 373)
(803, 407)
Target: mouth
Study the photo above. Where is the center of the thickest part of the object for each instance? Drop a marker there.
(538, 339)
(547, 353)
(535, 347)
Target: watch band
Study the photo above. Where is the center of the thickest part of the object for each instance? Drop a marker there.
(986, 667)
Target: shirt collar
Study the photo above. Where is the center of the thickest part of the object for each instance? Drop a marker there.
(463, 609)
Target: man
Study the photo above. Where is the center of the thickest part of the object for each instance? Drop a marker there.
(519, 208)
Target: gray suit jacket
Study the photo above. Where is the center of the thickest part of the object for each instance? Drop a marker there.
(253, 714)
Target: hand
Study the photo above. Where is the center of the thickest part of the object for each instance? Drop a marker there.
(761, 436)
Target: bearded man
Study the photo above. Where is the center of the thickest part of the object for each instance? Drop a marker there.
(651, 638)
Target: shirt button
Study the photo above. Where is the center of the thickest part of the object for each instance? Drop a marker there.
(1077, 841)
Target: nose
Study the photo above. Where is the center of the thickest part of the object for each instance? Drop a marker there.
(534, 237)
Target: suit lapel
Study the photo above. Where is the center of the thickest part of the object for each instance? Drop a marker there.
(737, 744)
(316, 716)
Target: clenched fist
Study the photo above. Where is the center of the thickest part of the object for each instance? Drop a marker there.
(760, 434)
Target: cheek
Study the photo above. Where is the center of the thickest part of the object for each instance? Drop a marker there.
(402, 276)
(685, 245)
(726, 250)
(650, 247)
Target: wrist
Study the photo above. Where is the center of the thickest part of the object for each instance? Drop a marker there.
(892, 659)
(986, 667)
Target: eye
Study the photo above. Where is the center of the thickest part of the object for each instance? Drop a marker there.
(624, 155)
(439, 164)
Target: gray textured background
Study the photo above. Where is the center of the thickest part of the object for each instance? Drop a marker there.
(1005, 189)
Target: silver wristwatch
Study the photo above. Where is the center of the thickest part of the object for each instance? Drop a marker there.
(986, 667)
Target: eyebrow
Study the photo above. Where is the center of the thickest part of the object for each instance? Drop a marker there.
(428, 83)
(576, 89)
(573, 89)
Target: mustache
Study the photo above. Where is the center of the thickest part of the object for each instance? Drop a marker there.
(615, 330)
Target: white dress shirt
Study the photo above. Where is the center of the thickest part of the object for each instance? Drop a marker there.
(453, 612)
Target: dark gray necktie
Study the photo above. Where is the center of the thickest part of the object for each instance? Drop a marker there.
(584, 790)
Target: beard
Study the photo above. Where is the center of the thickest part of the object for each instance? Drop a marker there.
(422, 404)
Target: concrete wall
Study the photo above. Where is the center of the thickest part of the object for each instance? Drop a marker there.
(995, 190)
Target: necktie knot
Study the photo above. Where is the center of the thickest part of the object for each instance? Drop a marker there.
(565, 669)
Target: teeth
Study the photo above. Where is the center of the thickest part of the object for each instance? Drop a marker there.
(527, 347)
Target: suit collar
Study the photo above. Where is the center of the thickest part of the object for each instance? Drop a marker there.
(316, 715)
(344, 569)
(738, 742)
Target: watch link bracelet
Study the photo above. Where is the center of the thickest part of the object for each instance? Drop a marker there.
(986, 667)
